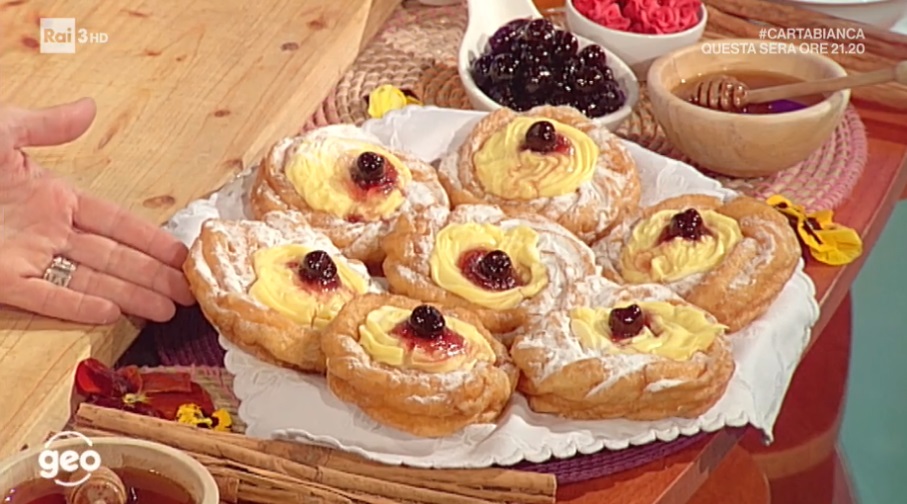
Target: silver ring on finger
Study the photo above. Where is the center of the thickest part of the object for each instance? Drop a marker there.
(60, 271)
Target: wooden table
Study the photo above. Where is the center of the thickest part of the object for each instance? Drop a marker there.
(188, 94)
(675, 479)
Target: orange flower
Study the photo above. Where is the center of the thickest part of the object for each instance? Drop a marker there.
(827, 241)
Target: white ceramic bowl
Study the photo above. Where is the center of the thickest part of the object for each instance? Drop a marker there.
(116, 452)
(638, 50)
(486, 16)
(882, 13)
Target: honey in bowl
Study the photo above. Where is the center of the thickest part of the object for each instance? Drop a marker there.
(142, 487)
(754, 80)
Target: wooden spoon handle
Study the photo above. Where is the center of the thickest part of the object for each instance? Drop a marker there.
(897, 73)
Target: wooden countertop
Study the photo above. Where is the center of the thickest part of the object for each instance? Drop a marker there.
(675, 479)
(188, 94)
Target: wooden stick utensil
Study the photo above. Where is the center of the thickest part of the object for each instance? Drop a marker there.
(728, 94)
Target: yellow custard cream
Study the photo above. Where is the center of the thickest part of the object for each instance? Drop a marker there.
(508, 170)
(320, 173)
(377, 339)
(673, 331)
(519, 243)
(645, 260)
(278, 286)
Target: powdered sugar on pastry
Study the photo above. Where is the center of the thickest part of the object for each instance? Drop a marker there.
(686, 284)
(449, 381)
(558, 260)
(554, 334)
(588, 211)
(663, 385)
(357, 239)
(764, 246)
(607, 250)
(562, 254)
(736, 287)
(600, 193)
(244, 238)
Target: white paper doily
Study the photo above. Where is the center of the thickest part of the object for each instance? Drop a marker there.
(281, 403)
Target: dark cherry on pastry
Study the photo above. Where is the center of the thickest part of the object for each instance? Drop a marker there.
(427, 322)
(372, 171)
(626, 323)
(427, 330)
(687, 225)
(543, 138)
(318, 270)
(492, 270)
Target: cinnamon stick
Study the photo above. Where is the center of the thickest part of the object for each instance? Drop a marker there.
(235, 479)
(243, 450)
(228, 488)
(493, 484)
(263, 478)
(880, 42)
(262, 495)
(503, 495)
(192, 439)
(250, 483)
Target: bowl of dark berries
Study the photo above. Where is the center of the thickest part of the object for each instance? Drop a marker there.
(529, 62)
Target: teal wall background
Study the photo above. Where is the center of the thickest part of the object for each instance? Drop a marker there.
(874, 434)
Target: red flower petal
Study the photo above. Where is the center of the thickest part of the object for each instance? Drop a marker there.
(167, 404)
(155, 383)
(132, 375)
(94, 378)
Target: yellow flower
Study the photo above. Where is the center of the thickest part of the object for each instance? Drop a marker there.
(386, 98)
(222, 420)
(192, 414)
(827, 241)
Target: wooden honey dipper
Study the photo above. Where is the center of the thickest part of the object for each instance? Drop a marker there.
(729, 94)
(102, 487)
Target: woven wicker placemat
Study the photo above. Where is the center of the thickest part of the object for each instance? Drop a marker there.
(417, 50)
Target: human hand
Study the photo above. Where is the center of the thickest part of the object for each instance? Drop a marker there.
(123, 265)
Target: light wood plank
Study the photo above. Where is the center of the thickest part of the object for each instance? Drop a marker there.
(188, 94)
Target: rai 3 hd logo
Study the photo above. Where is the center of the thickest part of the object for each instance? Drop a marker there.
(61, 36)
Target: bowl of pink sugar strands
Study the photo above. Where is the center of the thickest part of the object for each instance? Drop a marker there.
(638, 31)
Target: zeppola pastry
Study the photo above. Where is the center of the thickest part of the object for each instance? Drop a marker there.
(503, 267)
(636, 352)
(270, 287)
(731, 259)
(346, 185)
(420, 368)
(549, 161)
